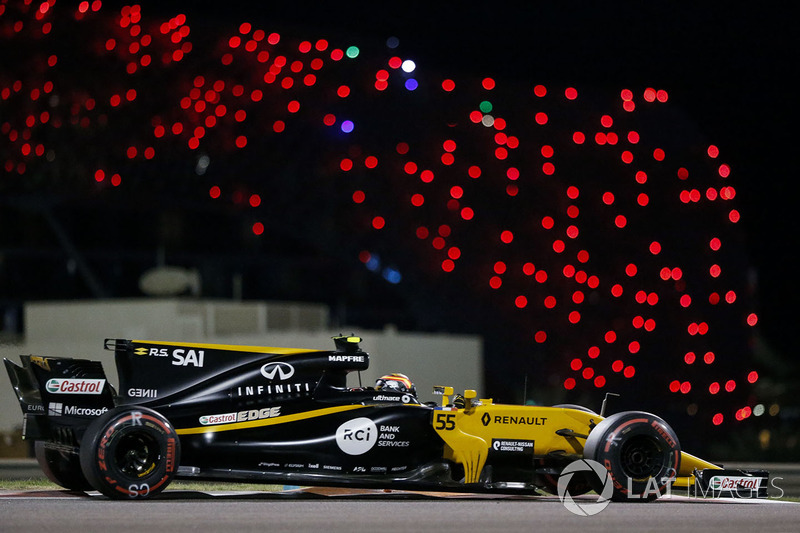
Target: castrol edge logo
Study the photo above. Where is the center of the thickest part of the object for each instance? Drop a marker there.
(734, 482)
(75, 386)
(241, 416)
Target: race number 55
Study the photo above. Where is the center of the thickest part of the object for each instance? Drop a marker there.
(444, 421)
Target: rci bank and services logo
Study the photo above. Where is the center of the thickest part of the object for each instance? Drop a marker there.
(592, 468)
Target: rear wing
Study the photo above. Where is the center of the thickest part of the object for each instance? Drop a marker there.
(25, 387)
(58, 395)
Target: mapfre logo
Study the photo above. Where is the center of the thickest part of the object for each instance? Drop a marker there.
(357, 436)
(281, 371)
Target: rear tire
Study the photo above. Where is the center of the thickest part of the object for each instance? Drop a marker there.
(62, 467)
(129, 453)
(640, 452)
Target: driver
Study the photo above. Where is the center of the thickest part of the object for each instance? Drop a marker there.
(395, 382)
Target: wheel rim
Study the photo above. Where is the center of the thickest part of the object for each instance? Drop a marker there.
(641, 457)
(137, 454)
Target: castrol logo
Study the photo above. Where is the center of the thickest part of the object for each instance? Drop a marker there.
(75, 386)
(734, 482)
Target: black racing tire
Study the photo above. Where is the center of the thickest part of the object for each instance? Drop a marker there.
(639, 450)
(130, 453)
(61, 466)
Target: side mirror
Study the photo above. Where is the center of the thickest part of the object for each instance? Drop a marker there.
(469, 395)
(445, 392)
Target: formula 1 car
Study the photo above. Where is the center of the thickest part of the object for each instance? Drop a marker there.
(283, 415)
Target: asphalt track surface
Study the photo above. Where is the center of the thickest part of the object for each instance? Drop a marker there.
(379, 511)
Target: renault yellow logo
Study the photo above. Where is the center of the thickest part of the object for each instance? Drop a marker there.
(140, 351)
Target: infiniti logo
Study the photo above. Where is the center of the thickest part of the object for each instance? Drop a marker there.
(282, 370)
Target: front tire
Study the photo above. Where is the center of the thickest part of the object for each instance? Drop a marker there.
(640, 452)
(130, 453)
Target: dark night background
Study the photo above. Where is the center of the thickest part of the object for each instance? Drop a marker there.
(728, 67)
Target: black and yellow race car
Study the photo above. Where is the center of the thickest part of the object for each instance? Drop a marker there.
(285, 415)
